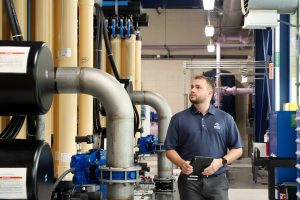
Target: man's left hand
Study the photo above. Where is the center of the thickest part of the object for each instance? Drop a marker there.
(213, 167)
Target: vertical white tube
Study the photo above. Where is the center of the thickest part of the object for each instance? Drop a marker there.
(44, 32)
(65, 123)
(85, 116)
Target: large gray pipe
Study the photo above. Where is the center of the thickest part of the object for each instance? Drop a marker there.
(164, 113)
(119, 111)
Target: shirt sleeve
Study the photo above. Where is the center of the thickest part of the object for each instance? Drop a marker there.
(171, 141)
(234, 137)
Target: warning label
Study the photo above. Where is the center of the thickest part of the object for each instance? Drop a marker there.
(13, 183)
(13, 59)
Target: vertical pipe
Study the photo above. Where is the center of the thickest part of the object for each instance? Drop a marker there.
(6, 33)
(44, 32)
(130, 59)
(163, 109)
(218, 81)
(115, 44)
(294, 58)
(138, 81)
(284, 61)
(56, 46)
(85, 109)
(138, 65)
(1, 19)
(21, 10)
(65, 125)
(119, 113)
(103, 57)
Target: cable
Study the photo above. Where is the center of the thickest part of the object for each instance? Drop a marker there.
(98, 39)
(107, 45)
(13, 21)
(15, 124)
(61, 178)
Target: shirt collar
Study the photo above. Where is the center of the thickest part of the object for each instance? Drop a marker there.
(211, 110)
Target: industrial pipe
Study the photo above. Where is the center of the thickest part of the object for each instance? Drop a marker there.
(164, 166)
(119, 114)
(234, 91)
(44, 32)
(85, 110)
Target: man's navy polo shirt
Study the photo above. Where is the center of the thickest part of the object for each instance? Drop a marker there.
(192, 134)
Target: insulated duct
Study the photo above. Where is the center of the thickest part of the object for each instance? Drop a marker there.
(281, 6)
(263, 14)
(119, 114)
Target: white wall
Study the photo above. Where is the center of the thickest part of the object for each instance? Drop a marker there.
(166, 78)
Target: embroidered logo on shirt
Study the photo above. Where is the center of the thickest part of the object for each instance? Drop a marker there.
(217, 126)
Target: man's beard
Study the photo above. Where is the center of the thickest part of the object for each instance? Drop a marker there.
(197, 100)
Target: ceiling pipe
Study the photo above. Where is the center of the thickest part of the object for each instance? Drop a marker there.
(235, 91)
(242, 39)
(119, 127)
(232, 16)
(194, 47)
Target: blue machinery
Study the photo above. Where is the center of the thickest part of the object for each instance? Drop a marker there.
(282, 160)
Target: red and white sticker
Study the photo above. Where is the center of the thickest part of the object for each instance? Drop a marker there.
(271, 70)
(13, 59)
(13, 183)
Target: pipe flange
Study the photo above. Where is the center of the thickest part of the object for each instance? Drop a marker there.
(119, 175)
(159, 148)
(164, 185)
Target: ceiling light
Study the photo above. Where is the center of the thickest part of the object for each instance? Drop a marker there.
(209, 30)
(208, 4)
(211, 48)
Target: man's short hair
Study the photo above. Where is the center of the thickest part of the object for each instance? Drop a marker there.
(209, 81)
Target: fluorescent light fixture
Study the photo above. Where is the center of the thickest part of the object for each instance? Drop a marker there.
(211, 48)
(208, 4)
(209, 30)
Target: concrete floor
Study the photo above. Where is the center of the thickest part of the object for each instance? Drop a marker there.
(240, 178)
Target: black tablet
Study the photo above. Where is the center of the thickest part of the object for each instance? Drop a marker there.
(199, 163)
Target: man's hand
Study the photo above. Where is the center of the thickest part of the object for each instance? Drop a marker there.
(186, 168)
(213, 167)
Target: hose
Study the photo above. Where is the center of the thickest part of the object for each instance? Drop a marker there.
(16, 123)
(13, 21)
(100, 17)
(61, 178)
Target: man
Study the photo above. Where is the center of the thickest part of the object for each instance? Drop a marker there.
(203, 130)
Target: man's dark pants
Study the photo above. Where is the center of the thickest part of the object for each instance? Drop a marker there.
(211, 188)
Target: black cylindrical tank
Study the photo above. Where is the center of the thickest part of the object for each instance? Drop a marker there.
(20, 159)
(26, 78)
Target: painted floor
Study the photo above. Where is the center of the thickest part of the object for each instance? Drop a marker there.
(242, 186)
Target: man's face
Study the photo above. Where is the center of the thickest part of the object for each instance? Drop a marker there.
(200, 91)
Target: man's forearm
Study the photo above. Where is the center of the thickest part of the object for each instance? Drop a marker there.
(174, 157)
(233, 154)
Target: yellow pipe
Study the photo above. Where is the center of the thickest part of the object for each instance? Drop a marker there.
(115, 44)
(21, 11)
(65, 127)
(138, 65)
(103, 57)
(130, 59)
(44, 32)
(1, 19)
(85, 117)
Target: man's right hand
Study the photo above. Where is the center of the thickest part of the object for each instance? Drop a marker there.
(186, 168)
